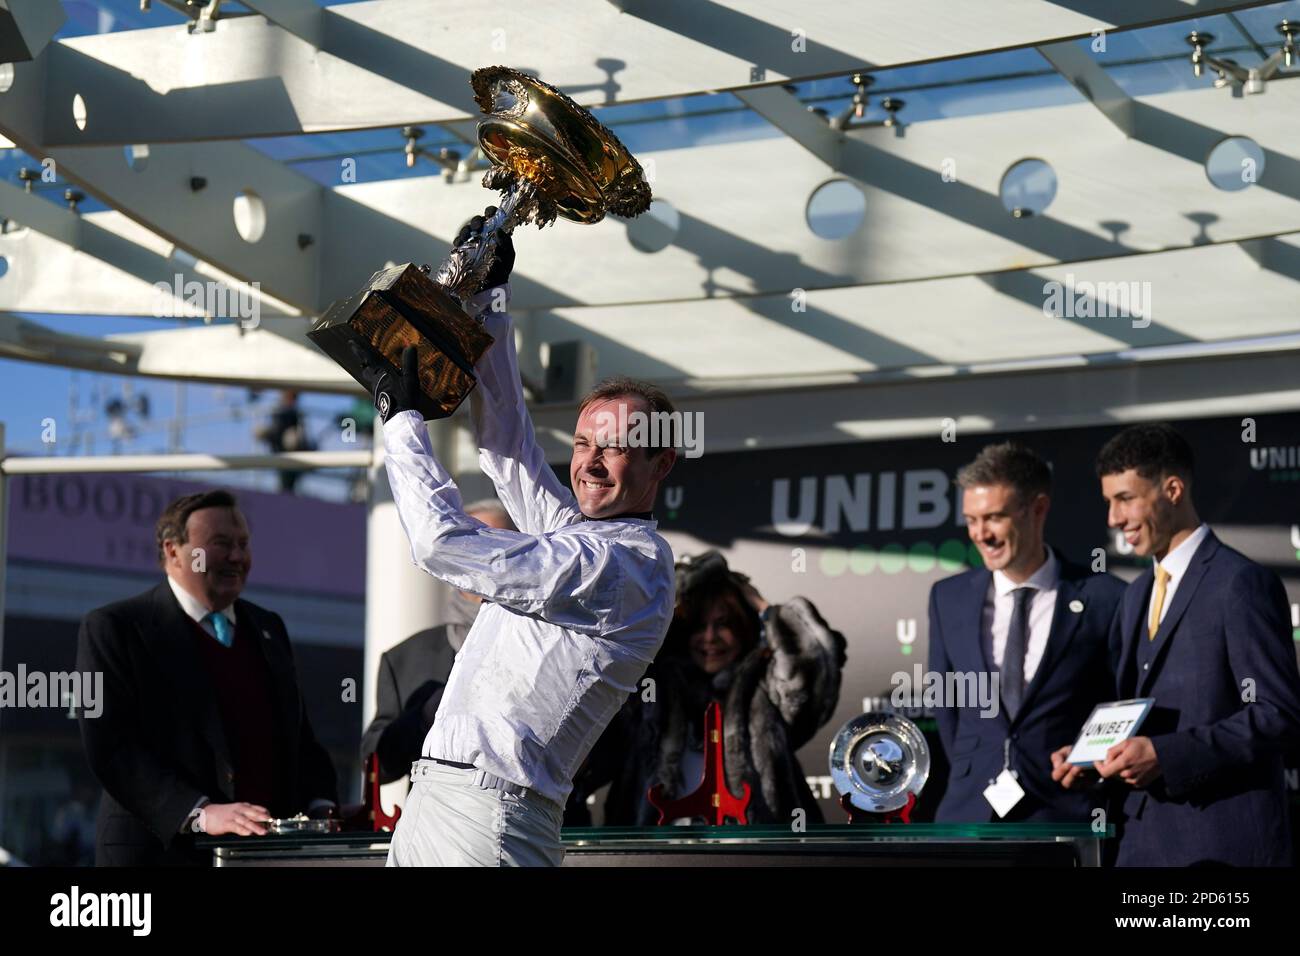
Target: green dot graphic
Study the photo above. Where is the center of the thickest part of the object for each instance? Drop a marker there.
(862, 560)
(834, 561)
(907, 648)
(892, 558)
(921, 557)
(952, 555)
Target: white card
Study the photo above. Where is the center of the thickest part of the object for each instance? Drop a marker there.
(1004, 793)
(1107, 725)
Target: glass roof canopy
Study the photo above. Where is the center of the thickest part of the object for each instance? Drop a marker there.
(1145, 61)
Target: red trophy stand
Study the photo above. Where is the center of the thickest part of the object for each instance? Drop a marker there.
(857, 815)
(711, 799)
(379, 820)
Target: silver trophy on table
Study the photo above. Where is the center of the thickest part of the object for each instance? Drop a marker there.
(879, 763)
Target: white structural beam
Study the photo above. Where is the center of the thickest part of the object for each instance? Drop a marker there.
(1185, 135)
(743, 205)
(102, 464)
(276, 353)
(941, 327)
(1058, 316)
(32, 342)
(787, 113)
(1115, 196)
(127, 268)
(305, 19)
(395, 62)
(102, 263)
(1087, 76)
(308, 245)
(315, 244)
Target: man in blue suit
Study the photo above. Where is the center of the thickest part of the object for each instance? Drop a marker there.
(1206, 633)
(1037, 622)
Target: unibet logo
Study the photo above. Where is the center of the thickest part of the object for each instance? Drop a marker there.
(865, 502)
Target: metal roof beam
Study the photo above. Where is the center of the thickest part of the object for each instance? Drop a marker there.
(1088, 77)
(402, 62)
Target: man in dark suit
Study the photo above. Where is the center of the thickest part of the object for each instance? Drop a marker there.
(1206, 632)
(203, 728)
(414, 673)
(1037, 622)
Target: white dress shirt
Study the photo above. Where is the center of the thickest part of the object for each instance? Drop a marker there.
(1176, 563)
(196, 611)
(999, 605)
(578, 608)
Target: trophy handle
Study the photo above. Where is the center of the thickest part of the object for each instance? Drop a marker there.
(468, 264)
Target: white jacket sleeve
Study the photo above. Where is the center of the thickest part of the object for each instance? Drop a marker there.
(573, 579)
(508, 451)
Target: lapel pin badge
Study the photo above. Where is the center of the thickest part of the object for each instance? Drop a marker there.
(1076, 607)
(267, 634)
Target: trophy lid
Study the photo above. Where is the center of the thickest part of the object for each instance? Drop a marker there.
(579, 169)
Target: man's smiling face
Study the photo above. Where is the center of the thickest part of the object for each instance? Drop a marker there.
(213, 562)
(608, 477)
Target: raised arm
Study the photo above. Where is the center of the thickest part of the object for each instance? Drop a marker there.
(508, 451)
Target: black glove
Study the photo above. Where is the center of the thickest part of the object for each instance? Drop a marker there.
(504, 260)
(392, 393)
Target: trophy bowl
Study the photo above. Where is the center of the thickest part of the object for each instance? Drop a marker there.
(878, 760)
(534, 135)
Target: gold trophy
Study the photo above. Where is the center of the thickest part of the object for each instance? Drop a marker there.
(550, 158)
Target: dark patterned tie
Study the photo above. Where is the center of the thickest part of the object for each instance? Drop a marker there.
(1013, 657)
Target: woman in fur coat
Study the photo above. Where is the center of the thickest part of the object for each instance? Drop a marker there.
(774, 669)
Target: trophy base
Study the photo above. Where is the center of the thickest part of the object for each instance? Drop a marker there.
(858, 816)
(398, 307)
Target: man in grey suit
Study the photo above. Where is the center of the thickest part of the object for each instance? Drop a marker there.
(414, 673)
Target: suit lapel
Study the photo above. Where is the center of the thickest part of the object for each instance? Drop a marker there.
(1136, 599)
(171, 639)
(1182, 598)
(972, 619)
(978, 658)
(1065, 623)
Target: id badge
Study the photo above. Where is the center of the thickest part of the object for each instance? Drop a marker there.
(1004, 793)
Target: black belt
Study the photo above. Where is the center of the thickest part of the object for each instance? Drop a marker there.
(452, 763)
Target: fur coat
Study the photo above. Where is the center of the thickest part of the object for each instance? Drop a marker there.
(774, 700)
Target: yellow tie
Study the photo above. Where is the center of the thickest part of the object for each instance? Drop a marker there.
(1153, 625)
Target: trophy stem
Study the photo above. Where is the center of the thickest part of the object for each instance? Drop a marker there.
(467, 265)
(506, 218)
